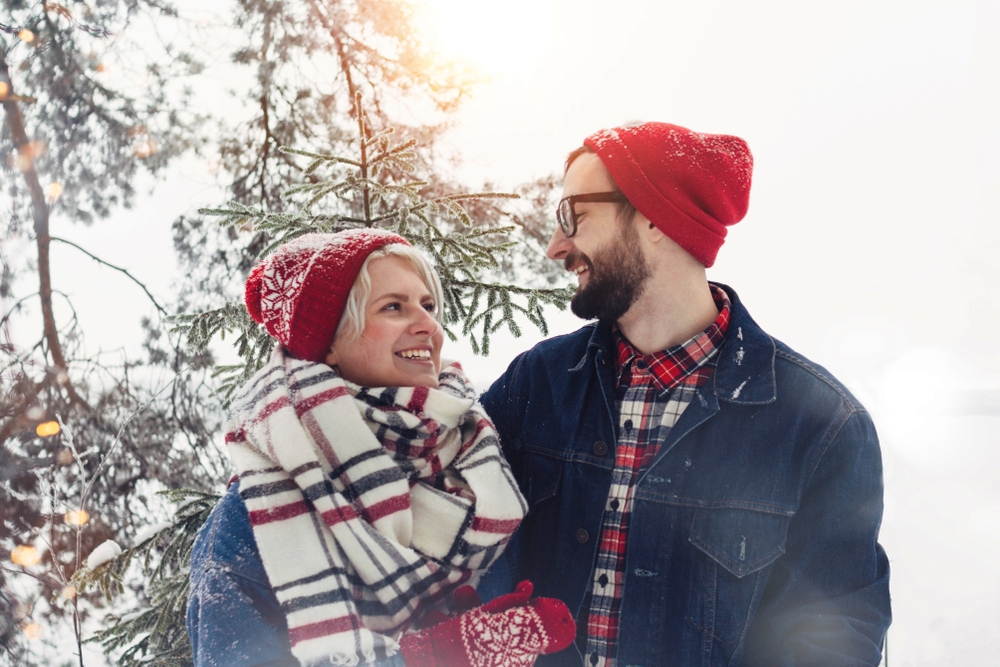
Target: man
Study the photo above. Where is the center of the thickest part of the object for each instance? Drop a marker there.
(699, 493)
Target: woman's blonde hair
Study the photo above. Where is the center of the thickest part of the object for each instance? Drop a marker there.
(352, 322)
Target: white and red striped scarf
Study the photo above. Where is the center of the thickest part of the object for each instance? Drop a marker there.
(367, 505)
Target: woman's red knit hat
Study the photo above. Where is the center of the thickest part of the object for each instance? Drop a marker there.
(300, 291)
(690, 185)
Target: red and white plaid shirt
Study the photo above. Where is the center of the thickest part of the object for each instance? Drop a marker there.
(652, 392)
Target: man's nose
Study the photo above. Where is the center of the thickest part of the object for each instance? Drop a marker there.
(559, 246)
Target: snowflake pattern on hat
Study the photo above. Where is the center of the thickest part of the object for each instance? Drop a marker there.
(281, 285)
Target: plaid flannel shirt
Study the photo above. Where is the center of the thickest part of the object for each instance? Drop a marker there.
(652, 392)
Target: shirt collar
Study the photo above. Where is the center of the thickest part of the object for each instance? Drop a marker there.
(668, 367)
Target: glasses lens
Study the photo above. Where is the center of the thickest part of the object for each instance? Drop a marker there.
(564, 214)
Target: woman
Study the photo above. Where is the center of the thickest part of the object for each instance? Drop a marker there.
(371, 484)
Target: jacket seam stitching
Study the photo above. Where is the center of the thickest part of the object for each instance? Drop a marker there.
(832, 434)
(827, 380)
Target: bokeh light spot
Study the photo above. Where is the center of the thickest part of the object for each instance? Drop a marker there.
(53, 191)
(76, 517)
(46, 429)
(25, 555)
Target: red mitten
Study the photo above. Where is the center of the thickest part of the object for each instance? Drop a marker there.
(466, 598)
(510, 631)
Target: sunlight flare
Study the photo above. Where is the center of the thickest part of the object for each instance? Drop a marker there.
(502, 39)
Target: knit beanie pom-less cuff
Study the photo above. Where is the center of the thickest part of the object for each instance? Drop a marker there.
(691, 185)
(300, 291)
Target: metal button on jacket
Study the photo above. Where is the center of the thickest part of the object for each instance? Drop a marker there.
(600, 448)
(582, 535)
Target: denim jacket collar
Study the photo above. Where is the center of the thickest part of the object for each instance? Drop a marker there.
(745, 370)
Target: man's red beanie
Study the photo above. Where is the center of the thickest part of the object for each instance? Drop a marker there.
(690, 185)
(300, 291)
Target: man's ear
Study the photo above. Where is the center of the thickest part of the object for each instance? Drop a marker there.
(647, 229)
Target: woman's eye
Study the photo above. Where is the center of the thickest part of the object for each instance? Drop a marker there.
(391, 306)
(430, 307)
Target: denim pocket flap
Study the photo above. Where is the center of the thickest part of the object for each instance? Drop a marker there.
(742, 541)
(541, 478)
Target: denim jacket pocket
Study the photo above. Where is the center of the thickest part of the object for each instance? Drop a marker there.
(736, 545)
(540, 480)
(742, 541)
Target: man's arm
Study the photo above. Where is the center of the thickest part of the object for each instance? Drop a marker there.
(499, 579)
(827, 602)
(497, 399)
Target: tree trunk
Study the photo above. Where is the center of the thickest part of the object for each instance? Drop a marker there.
(40, 213)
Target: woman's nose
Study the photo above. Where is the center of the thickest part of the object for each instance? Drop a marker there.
(423, 323)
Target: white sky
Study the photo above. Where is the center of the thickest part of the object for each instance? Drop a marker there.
(871, 244)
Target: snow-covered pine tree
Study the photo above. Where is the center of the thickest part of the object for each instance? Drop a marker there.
(375, 187)
(76, 130)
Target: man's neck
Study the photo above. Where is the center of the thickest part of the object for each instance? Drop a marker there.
(665, 316)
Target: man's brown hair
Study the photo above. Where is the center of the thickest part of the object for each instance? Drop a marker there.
(626, 211)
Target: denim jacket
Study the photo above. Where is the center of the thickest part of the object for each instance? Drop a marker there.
(754, 531)
(233, 617)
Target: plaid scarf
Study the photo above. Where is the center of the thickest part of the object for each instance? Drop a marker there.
(367, 505)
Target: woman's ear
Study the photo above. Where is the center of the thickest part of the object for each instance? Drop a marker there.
(332, 357)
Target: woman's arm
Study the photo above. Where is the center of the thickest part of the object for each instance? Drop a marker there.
(233, 616)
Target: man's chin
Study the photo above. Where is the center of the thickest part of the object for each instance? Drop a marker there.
(586, 309)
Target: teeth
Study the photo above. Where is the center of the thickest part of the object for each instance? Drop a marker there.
(579, 269)
(415, 354)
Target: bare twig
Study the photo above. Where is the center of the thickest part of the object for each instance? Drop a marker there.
(116, 268)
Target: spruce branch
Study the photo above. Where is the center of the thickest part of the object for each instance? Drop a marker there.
(378, 187)
(156, 634)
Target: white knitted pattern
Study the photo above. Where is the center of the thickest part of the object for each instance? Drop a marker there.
(513, 638)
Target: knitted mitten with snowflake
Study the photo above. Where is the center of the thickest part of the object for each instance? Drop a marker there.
(510, 631)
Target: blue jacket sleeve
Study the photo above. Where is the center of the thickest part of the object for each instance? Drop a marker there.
(827, 603)
(500, 578)
(233, 617)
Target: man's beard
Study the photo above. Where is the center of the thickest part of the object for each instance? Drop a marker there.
(617, 279)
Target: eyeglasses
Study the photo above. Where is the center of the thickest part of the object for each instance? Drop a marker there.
(566, 211)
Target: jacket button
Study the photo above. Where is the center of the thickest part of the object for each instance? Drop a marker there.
(600, 448)
(582, 535)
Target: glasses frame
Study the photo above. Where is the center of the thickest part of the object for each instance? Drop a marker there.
(567, 205)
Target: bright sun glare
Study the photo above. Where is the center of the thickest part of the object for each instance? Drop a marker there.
(495, 39)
